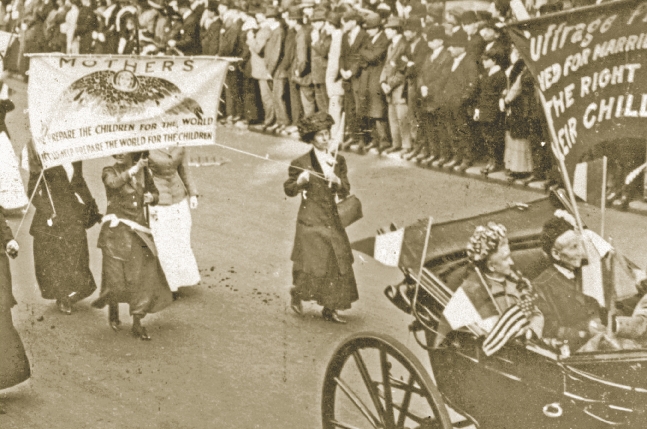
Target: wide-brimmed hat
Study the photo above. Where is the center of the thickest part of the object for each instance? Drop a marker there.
(373, 20)
(319, 14)
(468, 17)
(314, 123)
(334, 18)
(352, 15)
(295, 12)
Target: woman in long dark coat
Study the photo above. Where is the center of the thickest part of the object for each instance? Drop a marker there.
(323, 260)
(64, 210)
(131, 270)
(14, 365)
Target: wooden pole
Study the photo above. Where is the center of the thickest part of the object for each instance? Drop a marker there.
(603, 203)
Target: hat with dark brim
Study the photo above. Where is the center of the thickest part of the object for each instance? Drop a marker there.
(436, 32)
(373, 20)
(319, 14)
(468, 17)
(412, 24)
(334, 18)
(314, 123)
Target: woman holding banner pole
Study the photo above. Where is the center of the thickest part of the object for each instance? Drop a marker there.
(170, 219)
(65, 208)
(131, 271)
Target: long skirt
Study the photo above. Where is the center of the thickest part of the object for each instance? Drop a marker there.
(62, 265)
(14, 365)
(518, 154)
(12, 189)
(335, 291)
(138, 281)
(171, 228)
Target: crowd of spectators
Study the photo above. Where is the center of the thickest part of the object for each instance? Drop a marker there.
(433, 82)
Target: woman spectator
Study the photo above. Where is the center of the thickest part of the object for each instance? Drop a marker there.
(64, 210)
(131, 270)
(170, 219)
(14, 365)
(521, 120)
(322, 257)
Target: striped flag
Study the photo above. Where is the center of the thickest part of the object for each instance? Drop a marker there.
(512, 323)
(587, 181)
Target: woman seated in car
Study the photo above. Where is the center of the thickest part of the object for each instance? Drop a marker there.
(491, 287)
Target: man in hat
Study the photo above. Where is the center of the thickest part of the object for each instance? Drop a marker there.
(372, 107)
(570, 316)
(494, 40)
(319, 58)
(257, 47)
(272, 56)
(458, 99)
(392, 80)
(210, 27)
(353, 40)
(188, 32)
(302, 67)
(293, 18)
(231, 45)
(414, 57)
(334, 82)
(433, 146)
(475, 43)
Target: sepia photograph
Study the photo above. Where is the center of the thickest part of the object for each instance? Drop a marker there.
(323, 214)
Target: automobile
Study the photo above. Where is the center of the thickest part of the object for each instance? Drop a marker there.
(374, 381)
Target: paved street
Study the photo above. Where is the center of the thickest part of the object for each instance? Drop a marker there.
(230, 353)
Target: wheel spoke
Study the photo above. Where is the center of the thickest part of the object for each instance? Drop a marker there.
(342, 425)
(409, 387)
(405, 402)
(370, 385)
(406, 413)
(358, 402)
(388, 395)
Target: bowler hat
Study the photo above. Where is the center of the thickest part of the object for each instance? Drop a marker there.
(295, 12)
(213, 6)
(271, 12)
(468, 17)
(435, 32)
(393, 22)
(483, 15)
(412, 24)
(334, 18)
(458, 39)
(352, 15)
(373, 20)
(319, 14)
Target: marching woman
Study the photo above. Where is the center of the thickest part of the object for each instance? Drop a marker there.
(131, 270)
(14, 365)
(12, 189)
(64, 210)
(322, 257)
(170, 219)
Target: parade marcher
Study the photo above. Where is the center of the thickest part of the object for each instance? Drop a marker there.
(64, 210)
(322, 257)
(12, 189)
(170, 219)
(571, 316)
(491, 287)
(14, 365)
(131, 271)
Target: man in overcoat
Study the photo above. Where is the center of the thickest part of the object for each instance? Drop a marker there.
(231, 46)
(319, 57)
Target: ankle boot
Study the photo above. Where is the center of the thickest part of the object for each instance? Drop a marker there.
(113, 316)
(138, 330)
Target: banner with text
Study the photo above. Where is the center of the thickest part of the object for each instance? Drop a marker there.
(83, 107)
(591, 65)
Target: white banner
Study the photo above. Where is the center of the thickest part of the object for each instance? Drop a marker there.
(90, 106)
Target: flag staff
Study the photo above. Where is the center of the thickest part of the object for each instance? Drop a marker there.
(603, 203)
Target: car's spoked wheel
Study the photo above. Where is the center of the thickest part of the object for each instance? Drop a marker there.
(373, 381)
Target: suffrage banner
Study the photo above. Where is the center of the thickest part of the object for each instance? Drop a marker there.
(591, 66)
(83, 106)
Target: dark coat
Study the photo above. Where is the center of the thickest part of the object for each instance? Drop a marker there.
(475, 47)
(490, 90)
(460, 87)
(126, 201)
(274, 49)
(289, 51)
(5, 107)
(302, 66)
(189, 37)
(433, 75)
(319, 56)
(230, 39)
(567, 311)
(6, 297)
(416, 53)
(319, 230)
(349, 58)
(372, 102)
(524, 109)
(86, 23)
(210, 38)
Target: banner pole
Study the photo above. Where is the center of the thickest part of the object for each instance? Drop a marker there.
(603, 203)
(31, 198)
(560, 160)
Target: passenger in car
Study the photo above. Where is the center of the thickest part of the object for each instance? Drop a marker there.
(491, 287)
(571, 317)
